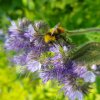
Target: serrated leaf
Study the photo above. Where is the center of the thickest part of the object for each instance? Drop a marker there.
(88, 54)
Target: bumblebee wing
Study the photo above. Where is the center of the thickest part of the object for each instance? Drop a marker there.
(55, 29)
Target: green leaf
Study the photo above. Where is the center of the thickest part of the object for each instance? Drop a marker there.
(88, 54)
(98, 84)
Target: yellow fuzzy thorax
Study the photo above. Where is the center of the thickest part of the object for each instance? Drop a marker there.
(48, 38)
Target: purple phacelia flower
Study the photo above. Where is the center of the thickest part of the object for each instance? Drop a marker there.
(16, 38)
(33, 66)
(24, 36)
(89, 76)
(68, 73)
(50, 60)
(20, 59)
(27, 41)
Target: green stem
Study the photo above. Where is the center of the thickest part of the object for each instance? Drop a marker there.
(80, 31)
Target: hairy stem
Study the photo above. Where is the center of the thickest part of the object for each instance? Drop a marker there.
(81, 31)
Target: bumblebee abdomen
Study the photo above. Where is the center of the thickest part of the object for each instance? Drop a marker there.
(60, 30)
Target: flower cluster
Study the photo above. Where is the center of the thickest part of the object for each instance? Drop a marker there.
(49, 60)
(25, 39)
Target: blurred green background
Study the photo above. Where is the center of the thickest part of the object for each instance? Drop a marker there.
(72, 14)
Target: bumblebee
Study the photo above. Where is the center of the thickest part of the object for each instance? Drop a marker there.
(53, 34)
